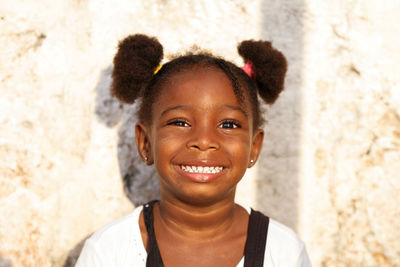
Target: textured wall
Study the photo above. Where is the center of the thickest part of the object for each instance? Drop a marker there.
(351, 140)
(331, 158)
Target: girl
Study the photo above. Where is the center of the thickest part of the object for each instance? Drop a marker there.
(200, 125)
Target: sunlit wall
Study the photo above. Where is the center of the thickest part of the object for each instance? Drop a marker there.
(331, 158)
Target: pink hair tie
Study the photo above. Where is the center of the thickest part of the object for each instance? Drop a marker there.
(248, 68)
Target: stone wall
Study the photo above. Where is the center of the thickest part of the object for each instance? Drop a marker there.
(331, 158)
(351, 140)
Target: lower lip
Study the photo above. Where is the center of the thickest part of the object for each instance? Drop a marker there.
(200, 177)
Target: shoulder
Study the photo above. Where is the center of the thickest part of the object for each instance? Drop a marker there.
(114, 242)
(123, 225)
(280, 235)
(284, 247)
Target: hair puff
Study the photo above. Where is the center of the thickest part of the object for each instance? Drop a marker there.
(134, 64)
(269, 66)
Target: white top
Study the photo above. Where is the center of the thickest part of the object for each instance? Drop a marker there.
(119, 244)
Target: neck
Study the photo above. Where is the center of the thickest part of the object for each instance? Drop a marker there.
(196, 221)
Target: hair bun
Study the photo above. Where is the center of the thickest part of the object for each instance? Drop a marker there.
(269, 66)
(134, 64)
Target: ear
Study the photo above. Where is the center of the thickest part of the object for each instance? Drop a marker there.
(143, 143)
(256, 146)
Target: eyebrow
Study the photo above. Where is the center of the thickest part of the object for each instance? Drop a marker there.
(238, 108)
(172, 108)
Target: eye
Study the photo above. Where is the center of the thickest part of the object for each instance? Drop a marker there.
(179, 123)
(229, 124)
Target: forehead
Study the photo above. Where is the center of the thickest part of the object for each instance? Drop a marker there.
(199, 84)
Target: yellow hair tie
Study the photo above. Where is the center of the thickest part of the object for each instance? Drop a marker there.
(157, 69)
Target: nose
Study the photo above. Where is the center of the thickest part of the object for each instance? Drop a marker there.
(203, 138)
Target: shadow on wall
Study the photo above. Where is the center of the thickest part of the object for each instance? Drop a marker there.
(5, 262)
(74, 253)
(139, 180)
(278, 168)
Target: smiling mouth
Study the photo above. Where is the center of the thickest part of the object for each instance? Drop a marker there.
(201, 169)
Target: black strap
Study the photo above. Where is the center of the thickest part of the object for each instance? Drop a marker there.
(153, 252)
(256, 239)
(255, 243)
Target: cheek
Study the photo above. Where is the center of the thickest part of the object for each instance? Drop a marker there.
(165, 146)
(239, 148)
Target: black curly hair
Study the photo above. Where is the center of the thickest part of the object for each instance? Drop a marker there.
(139, 56)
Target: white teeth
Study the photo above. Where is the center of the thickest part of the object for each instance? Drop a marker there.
(201, 169)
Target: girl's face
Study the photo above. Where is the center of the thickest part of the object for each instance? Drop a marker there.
(201, 140)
